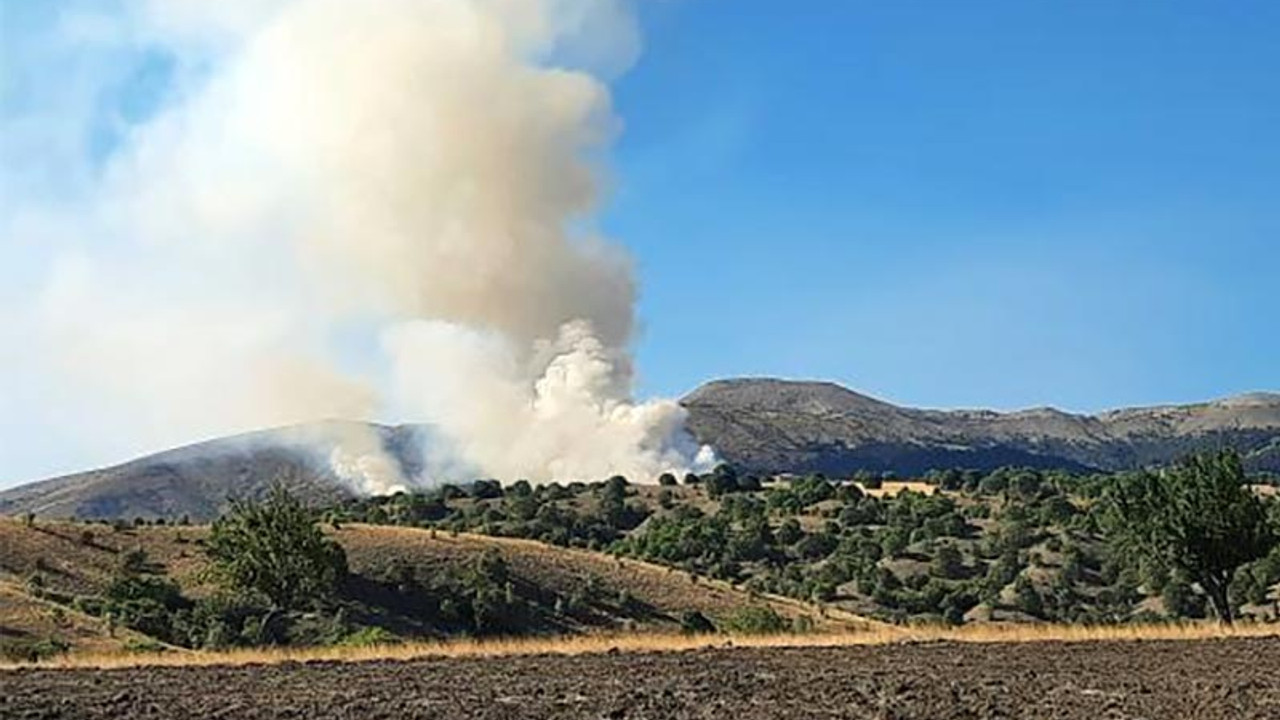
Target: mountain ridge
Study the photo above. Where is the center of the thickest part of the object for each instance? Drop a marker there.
(775, 425)
(764, 425)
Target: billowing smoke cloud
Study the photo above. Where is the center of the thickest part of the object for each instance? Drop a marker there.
(560, 412)
(352, 210)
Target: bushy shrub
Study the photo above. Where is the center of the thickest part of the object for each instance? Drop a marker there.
(369, 637)
(755, 620)
(145, 646)
(32, 650)
(1027, 598)
(695, 623)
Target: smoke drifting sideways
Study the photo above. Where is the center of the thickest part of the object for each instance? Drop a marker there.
(346, 210)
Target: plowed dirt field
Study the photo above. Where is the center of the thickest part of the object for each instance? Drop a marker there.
(1158, 680)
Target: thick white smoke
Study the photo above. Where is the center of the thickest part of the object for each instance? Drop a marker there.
(562, 411)
(410, 178)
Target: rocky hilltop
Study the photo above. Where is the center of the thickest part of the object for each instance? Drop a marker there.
(774, 425)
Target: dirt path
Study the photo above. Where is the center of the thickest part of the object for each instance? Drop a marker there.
(1157, 680)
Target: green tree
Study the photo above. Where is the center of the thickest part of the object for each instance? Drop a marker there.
(1027, 598)
(613, 502)
(273, 549)
(1181, 600)
(948, 562)
(789, 533)
(1199, 517)
(722, 481)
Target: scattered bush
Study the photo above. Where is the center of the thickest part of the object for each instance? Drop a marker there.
(32, 650)
(369, 637)
(756, 620)
(695, 623)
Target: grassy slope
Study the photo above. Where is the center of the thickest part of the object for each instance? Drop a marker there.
(372, 549)
(73, 564)
(24, 618)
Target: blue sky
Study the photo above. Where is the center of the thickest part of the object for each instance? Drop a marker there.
(955, 204)
(997, 204)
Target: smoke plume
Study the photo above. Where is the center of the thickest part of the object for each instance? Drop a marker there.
(358, 209)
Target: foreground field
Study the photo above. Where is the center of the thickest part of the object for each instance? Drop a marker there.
(1234, 678)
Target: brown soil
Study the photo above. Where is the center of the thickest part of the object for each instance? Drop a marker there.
(1230, 678)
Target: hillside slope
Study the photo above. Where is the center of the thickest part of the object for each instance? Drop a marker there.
(564, 590)
(196, 480)
(770, 425)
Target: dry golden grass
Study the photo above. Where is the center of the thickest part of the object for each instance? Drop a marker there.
(648, 643)
(57, 551)
(72, 562)
(369, 546)
(668, 591)
(25, 616)
(74, 565)
(891, 488)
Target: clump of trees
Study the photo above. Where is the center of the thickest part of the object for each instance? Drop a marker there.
(1199, 518)
(1041, 542)
(604, 512)
(270, 563)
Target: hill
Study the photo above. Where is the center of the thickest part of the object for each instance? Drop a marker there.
(768, 425)
(196, 480)
(1009, 545)
(53, 574)
(761, 425)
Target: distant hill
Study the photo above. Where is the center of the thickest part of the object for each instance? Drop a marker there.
(763, 425)
(197, 480)
(771, 425)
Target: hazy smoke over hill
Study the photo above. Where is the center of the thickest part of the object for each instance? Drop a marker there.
(360, 208)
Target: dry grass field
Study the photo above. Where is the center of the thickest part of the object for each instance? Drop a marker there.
(891, 488)
(76, 559)
(371, 549)
(22, 615)
(605, 643)
(80, 558)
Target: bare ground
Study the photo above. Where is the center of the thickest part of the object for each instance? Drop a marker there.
(1228, 678)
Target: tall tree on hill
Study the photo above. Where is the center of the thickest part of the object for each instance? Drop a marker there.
(1198, 516)
(613, 502)
(274, 550)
